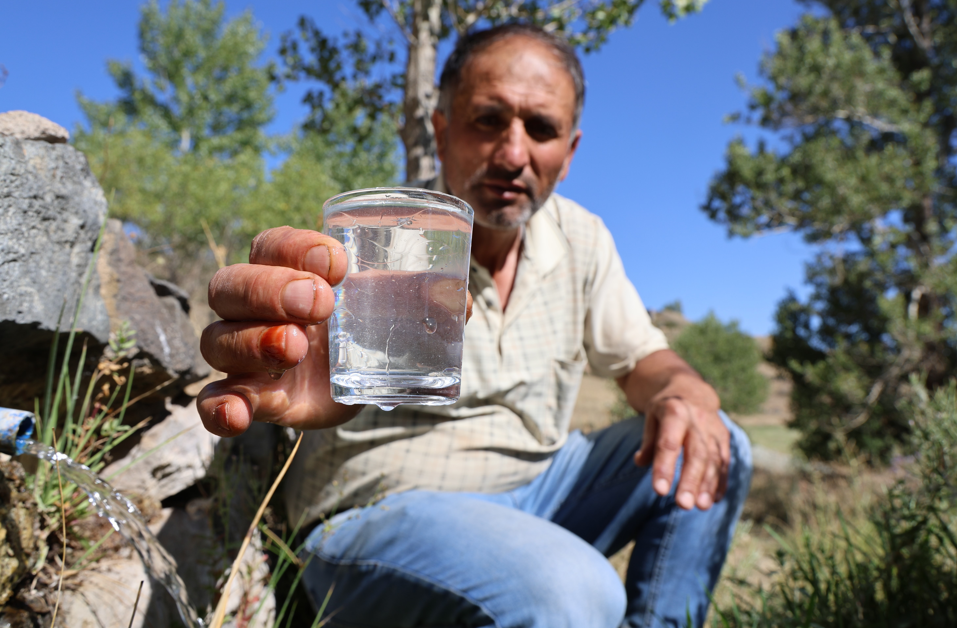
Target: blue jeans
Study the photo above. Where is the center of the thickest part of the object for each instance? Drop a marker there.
(533, 557)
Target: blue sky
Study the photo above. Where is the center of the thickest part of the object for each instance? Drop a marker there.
(653, 129)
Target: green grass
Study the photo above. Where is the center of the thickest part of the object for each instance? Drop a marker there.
(774, 437)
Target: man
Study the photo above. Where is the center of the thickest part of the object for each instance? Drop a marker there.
(488, 512)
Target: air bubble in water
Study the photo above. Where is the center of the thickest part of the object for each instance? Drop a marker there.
(430, 325)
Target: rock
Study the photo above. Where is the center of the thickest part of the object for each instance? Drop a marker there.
(18, 520)
(102, 596)
(11, 617)
(161, 469)
(156, 310)
(24, 125)
(670, 321)
(51, 211)
(203, 565)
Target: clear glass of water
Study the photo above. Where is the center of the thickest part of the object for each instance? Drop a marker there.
(397, 331)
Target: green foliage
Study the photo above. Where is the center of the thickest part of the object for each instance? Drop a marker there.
(368, 77)
(727, 358)
(861, 99)
(182, 148)
(204, 92)
(899, 568)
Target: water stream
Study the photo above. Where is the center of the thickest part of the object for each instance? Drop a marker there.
(127, 520)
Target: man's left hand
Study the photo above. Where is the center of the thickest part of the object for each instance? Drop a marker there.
(673, 424)
(681, 415)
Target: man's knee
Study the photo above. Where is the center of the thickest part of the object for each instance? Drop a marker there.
(521, 570)
(571, 589)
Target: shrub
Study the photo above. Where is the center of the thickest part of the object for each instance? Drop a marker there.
(899, 568)
(727, 358)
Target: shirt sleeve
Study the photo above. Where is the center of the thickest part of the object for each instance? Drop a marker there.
(618, 329)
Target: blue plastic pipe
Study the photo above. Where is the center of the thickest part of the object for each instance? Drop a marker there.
(16, 427)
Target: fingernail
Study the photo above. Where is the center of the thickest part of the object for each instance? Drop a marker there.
(298, 298)
(221, 414)
(318, 261)
(704, 501)
(661, 486)
(685, 499)
(272, 345)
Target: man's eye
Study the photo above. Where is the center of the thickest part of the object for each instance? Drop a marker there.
(489, 121)
(541, 130)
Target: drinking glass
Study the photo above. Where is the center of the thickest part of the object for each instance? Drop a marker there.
(398, 327)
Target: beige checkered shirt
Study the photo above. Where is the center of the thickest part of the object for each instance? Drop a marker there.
(571, 304)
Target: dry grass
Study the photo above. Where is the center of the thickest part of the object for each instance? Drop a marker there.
(786, 505)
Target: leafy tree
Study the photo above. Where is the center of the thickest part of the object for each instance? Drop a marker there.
(182, 148)
(375, 81)
(204, 92)
(861, 96)
(727, 358)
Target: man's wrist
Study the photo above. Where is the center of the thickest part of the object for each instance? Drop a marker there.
(689, 388)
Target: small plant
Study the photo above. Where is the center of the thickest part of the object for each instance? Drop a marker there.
(80, 416)
(85, 428)
(897, 567)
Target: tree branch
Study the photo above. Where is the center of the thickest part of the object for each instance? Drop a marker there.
(919, 38)
(848, 116)
(395, 18)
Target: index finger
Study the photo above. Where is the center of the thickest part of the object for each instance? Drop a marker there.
(301, 249)
(672, 429)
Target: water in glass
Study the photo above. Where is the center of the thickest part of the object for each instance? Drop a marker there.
(397, 331)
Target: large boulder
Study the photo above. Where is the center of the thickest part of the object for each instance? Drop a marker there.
(51, 213)
(24, 125)
(170, 457)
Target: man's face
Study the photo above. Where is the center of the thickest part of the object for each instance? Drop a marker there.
(509, 139)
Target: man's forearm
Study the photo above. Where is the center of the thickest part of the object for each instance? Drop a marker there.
(664, 374)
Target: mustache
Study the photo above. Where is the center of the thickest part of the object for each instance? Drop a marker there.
(527, 184)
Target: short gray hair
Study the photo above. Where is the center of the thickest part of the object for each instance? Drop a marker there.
(474, 42)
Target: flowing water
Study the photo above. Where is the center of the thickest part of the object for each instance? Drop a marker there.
(127, 520)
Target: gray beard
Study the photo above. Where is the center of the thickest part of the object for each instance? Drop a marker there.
(500, 222)
(497, 219)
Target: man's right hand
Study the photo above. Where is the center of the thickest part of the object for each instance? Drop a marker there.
(274, 311)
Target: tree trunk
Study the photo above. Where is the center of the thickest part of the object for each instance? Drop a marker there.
(420, 96)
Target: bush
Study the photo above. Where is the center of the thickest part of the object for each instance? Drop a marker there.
(727, 358)
(899, 568)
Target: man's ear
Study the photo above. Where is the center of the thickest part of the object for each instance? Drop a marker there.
(441, 125)
(571, 153)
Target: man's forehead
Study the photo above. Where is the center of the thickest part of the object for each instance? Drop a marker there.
(526, 67)
(515, 51)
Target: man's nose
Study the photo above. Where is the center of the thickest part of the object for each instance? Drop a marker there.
(512, 151)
